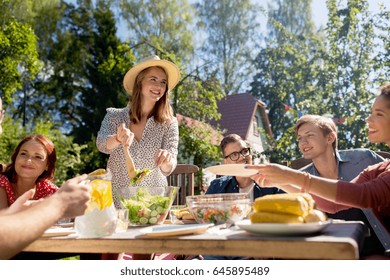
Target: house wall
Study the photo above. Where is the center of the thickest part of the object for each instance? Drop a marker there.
(256, 135)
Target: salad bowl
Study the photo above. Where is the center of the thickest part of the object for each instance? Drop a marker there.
(149, 205)
(219, 208)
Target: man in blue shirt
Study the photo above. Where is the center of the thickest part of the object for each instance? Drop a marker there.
(236, 151)
(317, 140)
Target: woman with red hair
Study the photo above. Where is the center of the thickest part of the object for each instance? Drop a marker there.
(32, 167)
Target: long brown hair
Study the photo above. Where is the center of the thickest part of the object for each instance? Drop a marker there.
(48, 174)
(162, 111)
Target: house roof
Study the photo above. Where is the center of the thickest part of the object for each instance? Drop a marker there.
(215, 136)
(237, 111)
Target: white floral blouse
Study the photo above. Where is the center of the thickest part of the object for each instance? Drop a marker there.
(155, 136)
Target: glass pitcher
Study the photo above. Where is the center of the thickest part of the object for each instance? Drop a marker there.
(100, 217)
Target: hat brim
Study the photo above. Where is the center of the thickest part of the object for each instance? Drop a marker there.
(170, 68)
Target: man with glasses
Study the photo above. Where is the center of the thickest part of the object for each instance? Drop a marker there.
(236, 151)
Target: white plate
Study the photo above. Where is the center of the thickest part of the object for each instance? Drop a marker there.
(281, 229)
(232, 170)
(173, 230)
(64, 225)
(58, 231)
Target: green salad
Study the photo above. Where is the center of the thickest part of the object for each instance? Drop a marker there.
(145, 208)
(139, 174)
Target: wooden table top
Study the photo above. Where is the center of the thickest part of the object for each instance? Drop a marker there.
(341, 240)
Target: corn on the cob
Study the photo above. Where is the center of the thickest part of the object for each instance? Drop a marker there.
(283, 203)
(268, 217)
(315, 216)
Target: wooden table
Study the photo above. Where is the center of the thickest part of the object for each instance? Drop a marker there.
(337, 241)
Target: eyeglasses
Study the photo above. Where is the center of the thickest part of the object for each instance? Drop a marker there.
(236, 155)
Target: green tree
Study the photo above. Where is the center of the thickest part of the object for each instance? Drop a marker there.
(85, 65)
(288, 70)
(299, 74)
(161, 27)
(294, 16)
(382, 60)
(231, 29)
(19, 61)
(348, 68)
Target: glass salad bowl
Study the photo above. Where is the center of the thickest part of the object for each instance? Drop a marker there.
(219, 208)
(149, 205)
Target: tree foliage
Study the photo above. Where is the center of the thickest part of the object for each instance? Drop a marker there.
(298, 74)
(231, 31)
(159, 27)
(84, 68)
(82, 61)
(19, 61)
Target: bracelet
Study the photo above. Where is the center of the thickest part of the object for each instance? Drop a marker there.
(306, 183)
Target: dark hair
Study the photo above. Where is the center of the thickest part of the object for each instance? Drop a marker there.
(326, 125)
(51, 158)
(162, 111)
(231, 138)
(385, 92)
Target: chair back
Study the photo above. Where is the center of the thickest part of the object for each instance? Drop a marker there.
(183, 177)
(385, 155)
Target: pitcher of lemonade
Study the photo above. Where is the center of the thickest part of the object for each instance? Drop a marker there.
(100, 217)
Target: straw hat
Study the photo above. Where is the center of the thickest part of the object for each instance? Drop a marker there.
(170, 68)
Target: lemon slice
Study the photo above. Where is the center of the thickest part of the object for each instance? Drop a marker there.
(101, 195)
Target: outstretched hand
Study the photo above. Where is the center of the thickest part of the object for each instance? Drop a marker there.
(23, 202)
(270, 175)
(74, 196)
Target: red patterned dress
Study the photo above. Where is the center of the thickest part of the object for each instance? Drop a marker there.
(42, 189)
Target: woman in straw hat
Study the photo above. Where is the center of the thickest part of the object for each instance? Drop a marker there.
(146, 126)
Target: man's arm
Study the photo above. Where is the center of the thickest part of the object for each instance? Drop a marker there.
(20, 229)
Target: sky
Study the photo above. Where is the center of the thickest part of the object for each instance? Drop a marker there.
(319, 13)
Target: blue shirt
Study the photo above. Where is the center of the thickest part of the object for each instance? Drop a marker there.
(349, 163)
(229, 184)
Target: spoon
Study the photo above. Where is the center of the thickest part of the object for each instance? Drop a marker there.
(129, 163)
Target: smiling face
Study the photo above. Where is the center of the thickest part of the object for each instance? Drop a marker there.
(379, 121)
(31, 161)
(236, 147)
(154, 84)
(312, 142)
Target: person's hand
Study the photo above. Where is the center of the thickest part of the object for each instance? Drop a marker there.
(74, 196)
(163, 159)
(23, 202)
(124, 135)
(270, 175)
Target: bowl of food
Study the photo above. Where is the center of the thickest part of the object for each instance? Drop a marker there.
(148, 205)
(219, 208)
